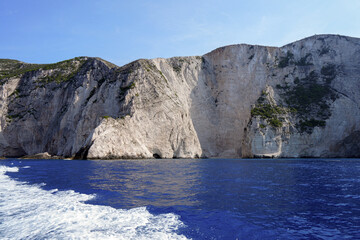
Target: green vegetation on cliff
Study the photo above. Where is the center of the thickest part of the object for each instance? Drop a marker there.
(268, 112)
(286, 60)
(11, 68)
(310, 96)
(62, 71)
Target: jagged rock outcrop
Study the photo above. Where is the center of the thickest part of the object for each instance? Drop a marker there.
(300, 100)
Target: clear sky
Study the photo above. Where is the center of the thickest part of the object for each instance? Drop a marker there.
(44, 31)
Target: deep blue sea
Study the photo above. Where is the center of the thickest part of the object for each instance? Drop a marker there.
(180, 199)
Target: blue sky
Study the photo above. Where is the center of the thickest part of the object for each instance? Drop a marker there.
(44, 31)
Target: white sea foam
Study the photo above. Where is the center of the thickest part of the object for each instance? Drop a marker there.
(29, 212)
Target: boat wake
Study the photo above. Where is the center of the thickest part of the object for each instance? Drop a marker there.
(30, 212)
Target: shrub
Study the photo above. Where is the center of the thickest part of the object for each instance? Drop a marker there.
(177, 68)
(276, 123)
(324, 50)
(285, 61)
(308, 125)
(328, 72)
(303, 61)
(124, 89)
(269, 113)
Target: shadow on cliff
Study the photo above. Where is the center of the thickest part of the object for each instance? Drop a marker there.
(203, 109)
(57, 117)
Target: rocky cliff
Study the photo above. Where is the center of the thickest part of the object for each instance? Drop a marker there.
(300, 100)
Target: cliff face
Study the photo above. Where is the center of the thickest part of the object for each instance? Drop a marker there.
(86, 107)
(237, 101)
(310, 106)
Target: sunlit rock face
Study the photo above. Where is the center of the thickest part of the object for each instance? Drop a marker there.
(300, 100)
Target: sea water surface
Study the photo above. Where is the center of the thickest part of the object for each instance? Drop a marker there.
(180, 199)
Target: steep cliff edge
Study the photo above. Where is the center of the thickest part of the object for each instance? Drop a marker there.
(300, 100)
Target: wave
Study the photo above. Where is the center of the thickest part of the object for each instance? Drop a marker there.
(29, 212)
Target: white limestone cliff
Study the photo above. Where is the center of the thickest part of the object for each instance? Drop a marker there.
(236, 101)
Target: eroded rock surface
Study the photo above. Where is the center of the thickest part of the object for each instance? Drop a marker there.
(300, 100)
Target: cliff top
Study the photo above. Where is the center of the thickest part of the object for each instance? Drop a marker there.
(10, 67)
(322, 37)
